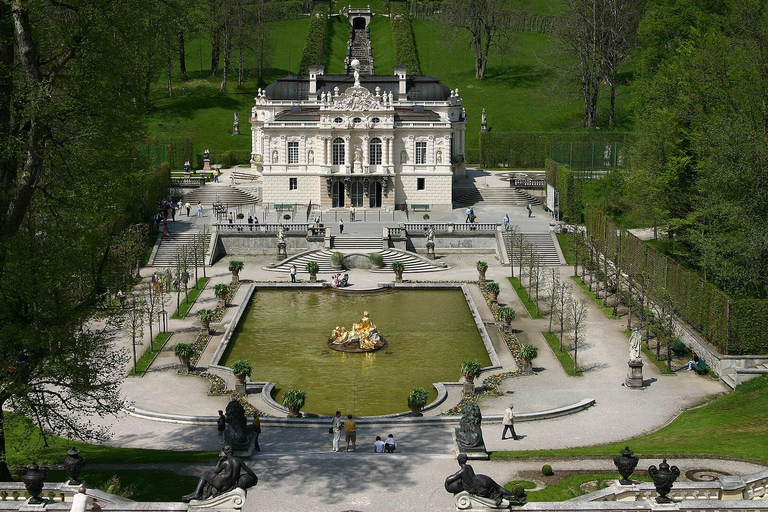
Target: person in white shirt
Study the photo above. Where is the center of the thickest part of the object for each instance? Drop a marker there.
(509, 423)
(337, 424)
(390, 445)
(378, 445)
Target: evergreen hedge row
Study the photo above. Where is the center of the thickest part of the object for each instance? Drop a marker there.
(529, 150)
(402, 35)
(317, 38)
(569, 188)
(734, 326)
(226, 158)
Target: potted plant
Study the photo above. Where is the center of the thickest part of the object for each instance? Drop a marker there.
(470, 370)
(312, 269)
(205, 316)
(235, 267)
(493, 290)
(417, 399)
(398, 268)
(426, 216)
(377, 260)
(481, 268)
(240, 216)
(221, 290)
(242, 368)
(506, 315)
(184, 352)
(528, 353)
(337, 260)
(294, 400)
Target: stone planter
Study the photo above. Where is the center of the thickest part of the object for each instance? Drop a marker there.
(240, 384)
(294, 413)
(399, 277)
(207, 327)
(416, 411)
(469, 384)
(481, 275)
(235, 277)
(494, 297)
(312, 278)
(527, 367)
(185, 362)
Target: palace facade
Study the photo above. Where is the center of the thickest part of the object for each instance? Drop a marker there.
(352, 140)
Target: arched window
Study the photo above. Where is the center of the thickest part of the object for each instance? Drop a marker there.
(338, 151)
(374, 151)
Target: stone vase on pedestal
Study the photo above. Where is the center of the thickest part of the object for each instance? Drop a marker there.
(634, 374)
(431, 250)
(281, 251)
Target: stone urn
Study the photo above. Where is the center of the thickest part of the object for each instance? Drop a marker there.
(34, 477)
(74, 464)
(663, 478)
(626, 465)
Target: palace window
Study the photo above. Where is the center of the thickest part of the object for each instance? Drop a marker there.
(421, 152)
(293, 183)
(338, 151)
(293, 152)
(421, 183)
(374, 151)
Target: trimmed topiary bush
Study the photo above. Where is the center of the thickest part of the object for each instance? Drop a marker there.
(377, 260)
(546, 470)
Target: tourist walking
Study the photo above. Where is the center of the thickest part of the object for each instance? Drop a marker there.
(506, 222)
(509, 423)
(256, 430)
(199, 209)
(351, 214)
(221, 425)
(528, 207)
(336, 425)
(293, 273)
(231, 218)
(188, 207)
(469, 214)
(165, 226)
(341, 226)
(350, 431)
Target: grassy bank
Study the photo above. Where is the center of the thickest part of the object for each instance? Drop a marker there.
(522, 293)
(192, 295)
(566, 361)
(738, 421)
(142, 365)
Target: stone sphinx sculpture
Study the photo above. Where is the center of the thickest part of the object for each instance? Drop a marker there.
(362, 337)
(238, 435)
(469, 435)
(473, 491)
(229, 474)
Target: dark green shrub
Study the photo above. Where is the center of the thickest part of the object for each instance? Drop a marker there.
(402, 35)
(546, 470)
(317, 38)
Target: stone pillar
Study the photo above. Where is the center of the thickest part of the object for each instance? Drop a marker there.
(348, 153)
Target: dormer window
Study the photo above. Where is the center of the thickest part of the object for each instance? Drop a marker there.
(375, 120)
(338, 120)
(357, 120)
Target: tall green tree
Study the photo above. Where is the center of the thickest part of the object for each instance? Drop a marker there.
(69, 126)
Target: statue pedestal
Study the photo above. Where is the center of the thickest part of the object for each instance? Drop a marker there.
(634, 375)
(207, 164)
(473, 453)
(232, 500)
(431, 250)
(281, 251)
(466, 501)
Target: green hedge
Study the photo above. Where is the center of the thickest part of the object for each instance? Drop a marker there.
(529, 150)
(226, 159)
(734, 326)
(472, 156)
(402, 35)
(569, 188)
(317, 38)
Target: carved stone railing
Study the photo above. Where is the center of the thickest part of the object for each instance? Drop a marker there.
(244, 227)
(451, 227)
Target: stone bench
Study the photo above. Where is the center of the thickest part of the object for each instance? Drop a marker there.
(420, 207)
(283, 206)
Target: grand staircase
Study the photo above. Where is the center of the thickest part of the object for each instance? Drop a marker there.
(543, 247)
(228, 196)
(493, 196)
(178, 243)
(412, 262)
(365, 245)
(360, 49)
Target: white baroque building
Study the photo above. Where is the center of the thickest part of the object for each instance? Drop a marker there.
(365, 141)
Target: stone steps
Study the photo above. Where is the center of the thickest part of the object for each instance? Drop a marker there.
(543, 246)
(356, 244)
(173, 243)
(412, 262)
(228, 196)
(494, 197)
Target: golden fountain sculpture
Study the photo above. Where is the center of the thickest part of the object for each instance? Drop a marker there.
(362, 337)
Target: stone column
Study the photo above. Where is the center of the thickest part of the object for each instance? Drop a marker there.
(365, 162)
(347, 153)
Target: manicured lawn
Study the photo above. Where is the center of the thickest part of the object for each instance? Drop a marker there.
(149, 354)
(383, 46)
(563, 356)
(192, 295)
(566, 245)
(338, 28)
(522, 292)
(569, 487)
(733, 426)
(144, 484)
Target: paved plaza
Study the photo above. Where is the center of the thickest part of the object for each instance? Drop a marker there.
(296, 468)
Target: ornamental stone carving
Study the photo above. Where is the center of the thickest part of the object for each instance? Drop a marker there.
(357, 98)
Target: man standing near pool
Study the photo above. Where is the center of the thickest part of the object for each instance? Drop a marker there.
(336, 425)
(350, 429)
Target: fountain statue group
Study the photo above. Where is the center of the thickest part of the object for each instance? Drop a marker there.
(362, 337)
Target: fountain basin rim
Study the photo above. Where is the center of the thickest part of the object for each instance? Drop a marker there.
(394, 420)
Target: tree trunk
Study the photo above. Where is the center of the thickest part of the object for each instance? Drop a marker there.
(227, 54)
(612, 111)
(169, 73)
(182, 55)
(215, 50)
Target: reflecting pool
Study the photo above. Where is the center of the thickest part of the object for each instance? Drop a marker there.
(285, 335)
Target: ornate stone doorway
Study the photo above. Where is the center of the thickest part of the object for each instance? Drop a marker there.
(337, 194)
(374, 195)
